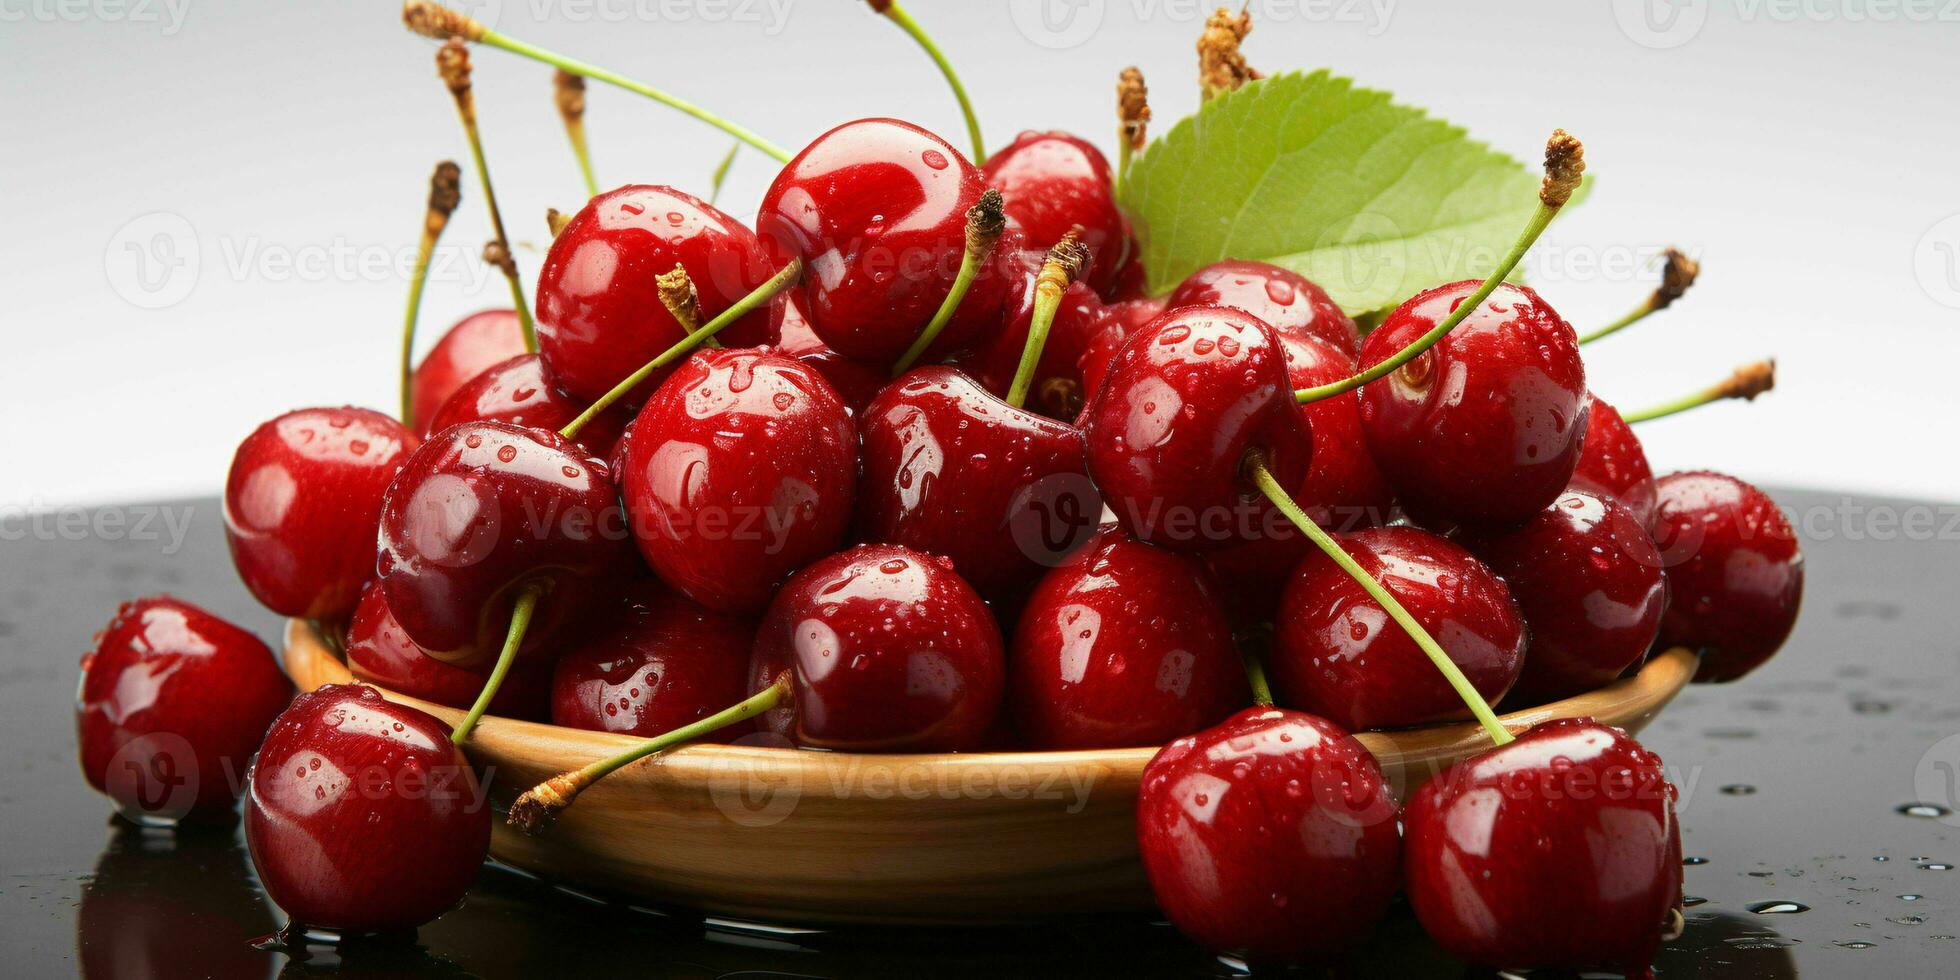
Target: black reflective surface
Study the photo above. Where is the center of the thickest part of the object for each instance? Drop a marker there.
(1798, 787)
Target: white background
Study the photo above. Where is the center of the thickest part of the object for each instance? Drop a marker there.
(1805, 151)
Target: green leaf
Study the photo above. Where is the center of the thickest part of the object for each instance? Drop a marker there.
(1371, 200)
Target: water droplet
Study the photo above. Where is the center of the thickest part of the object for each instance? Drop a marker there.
(1778, 908)
(1690, 901)
(1694, 861)
(934, 159)
(1739, 789)
(1853, 944)
(1935, 866)
(474, 441)
(1926, 811)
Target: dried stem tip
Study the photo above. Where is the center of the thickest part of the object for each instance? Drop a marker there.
(1676, 277)
(556, 220)
(1133, 106)
(571, 95)
(985, 222)
(677, 293)
(539, 807)
(445, 192)
(880, 6)
(439, 22)
(453, 64)
(1064, 263)
(1221, 68)
(1750, 380)
(1565, 163)
(496, 254)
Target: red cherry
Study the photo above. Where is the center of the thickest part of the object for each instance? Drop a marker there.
(484, 511)
(1484, 427)
(1185, 400)
(855, 381)
(301, 502)
(876, 209)
(1287, 301)
(1613, 464)
(652, 664)
(599, 311)
(739, 470)
(888, 651)
(1589, 581)
(466, 350)
(954, 471)
(1056, 389)
(1734, 572)
(379, 652)
(516, 391)
(362, 816)
(1336, 652)
(1052, 182)
(1272, 835)
(1559, 849)
(172, 703)
(1117, 323)
(1123, 644)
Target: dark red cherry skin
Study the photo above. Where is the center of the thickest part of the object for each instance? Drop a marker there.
(1485, 427)
(362, 816)
(653, 663)
(515, 391)
(301, 502)
(1613, 464)
(855, 381)
(464, 351)
(876, 209)
(951, 470)
(1124, 644)
(172, 703)
(379, 652)
(599, 312)
(1289, 302)
(1052, 182)
(1184, 401)
(1337, 653)
(888, 650)
(483, 511)
(1271, 835)
(1589, 581)
(1734, 572)
(740, 470)
(1557, 850)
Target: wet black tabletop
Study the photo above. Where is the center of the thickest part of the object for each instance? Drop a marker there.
(1807, 854)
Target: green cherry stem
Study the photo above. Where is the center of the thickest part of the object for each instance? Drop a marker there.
(453, 64)
(1565, 162)
(1676, 276)
(1133, 112)
(1065, 261)
(571, 107)
(444, 191)
(985, 221)
(743, 307)
(1746, 383)
(434, 20)
(897, 15)
(1263, 477)
(1255, 675)
(721, 172)
(520, 623)
(540, 805)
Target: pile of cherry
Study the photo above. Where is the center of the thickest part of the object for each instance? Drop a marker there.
(712, 502)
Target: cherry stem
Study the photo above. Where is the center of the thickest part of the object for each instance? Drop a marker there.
(571, 107)
(453, 63)
(985, 221)
(721, 172)
(541, 804)
(1676, 276)
(1255, 675)
(756, 298)
(1256, 465)
(1746, 383)
(444, 192)
(1064, 262)
(520, 622)
(1133, 112)
(1564, 163)
(897, 14)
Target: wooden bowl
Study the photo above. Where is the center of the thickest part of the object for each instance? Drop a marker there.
(756, 831)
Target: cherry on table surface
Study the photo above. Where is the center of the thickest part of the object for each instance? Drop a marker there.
(653, 663)
(379, 652)
(1734, 572)
(172, 703)
(516, 391)
(1287, 301)
(301, 503)
(362, 816)
(1613, 463)
(1055, 181)
(464, 351)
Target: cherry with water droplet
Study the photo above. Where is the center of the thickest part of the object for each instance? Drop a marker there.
(1734, 572)
(517, 391)
(1285, 300)
(379, 652)
(1055, 181)
(655, 662)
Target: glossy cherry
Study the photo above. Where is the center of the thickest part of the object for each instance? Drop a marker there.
(1106, 336)
(1184, 401)
(598, 307)
(516, 391)
(855, 381)
(1287, 301)
(1484, 427)
(172, 703)
(655, 662)
(483, 512)
(1734, 572)
(466, 350)
(888, 651)
(1124, 644)
(1557, 850)
(1052, 182)
(1613, 464)
(301, 502)
(952, 470)
(1589, 581)
(1272, 835)
(362, 816)
(876, 209)
(1337, 653)
(379, 652)
(740, 470)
